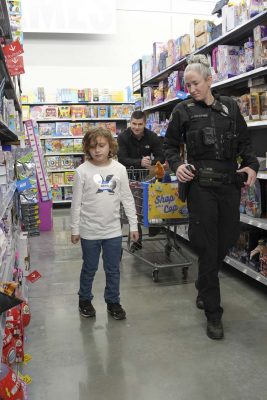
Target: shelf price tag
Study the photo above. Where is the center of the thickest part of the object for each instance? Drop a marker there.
(12, 50)
(15, 66)
(34, 276)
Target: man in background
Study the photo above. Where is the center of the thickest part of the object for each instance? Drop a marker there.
(139, 148)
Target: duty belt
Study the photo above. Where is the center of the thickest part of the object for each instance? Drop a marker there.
(209, 178)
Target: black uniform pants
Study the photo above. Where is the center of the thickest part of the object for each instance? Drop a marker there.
(213, 229)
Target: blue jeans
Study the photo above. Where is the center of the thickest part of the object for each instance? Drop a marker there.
(111, 261)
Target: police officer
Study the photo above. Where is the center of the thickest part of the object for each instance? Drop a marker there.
(139, 148)
(215, 135)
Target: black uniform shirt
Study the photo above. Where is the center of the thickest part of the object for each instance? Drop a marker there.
(132, 150)
(180, 123)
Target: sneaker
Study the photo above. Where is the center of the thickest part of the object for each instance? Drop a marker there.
(136, 246)
(86, 308)
(215, 330)
(116, 310)
(200, 302)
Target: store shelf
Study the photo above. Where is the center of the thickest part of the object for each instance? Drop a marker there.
(6, 134)
(238, 265)
(257, 124)
(63, 154)
(63, 185)
(246, 270)
(60, 170)
(162, 105)
(61, 137)
(80, 119)
(240, 78)
(234, 36)
(61, 201)
(82, 103)
(262, 175)
(7, 199)
(258, 222)
(227, 82)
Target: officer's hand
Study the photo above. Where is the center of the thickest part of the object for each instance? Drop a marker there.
(252, 175)
(146, 162)
(183, 174)
(134, 236)
(75, 239)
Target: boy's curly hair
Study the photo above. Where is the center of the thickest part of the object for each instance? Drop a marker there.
(90, 139)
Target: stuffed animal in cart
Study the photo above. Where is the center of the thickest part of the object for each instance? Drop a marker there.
(159, 171)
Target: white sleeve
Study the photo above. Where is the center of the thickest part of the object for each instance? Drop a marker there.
(76, 204)
(128, 201)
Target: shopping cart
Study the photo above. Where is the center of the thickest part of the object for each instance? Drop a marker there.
(163, 249)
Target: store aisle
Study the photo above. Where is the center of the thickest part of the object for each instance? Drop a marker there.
(160, 352)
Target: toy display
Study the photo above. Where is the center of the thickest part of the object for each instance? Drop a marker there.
(11, 387)
(250, 202)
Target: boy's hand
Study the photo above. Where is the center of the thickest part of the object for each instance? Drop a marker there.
(75, 239)
(134, 236)
(146, 162)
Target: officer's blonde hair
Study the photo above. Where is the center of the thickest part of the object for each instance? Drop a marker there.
(200, 64)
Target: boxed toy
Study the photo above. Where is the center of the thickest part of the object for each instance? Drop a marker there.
(202, 26)
(62, 128)
(116, 111)
(245, 106)
(67, 193)
(53, 162)
(58, 178)
(158, 48)
(67, 162)
(185, 45)
(69, 177)
(171, 52)
(177, 50)
(127, 110)
(77, 145)
(57, 194)
(103, 111)
(91, 111)
(147, 66)
(76, 128)
(260, 46)
(250, 202)
(53, 145)
(64, 112)
(95, 95)
(255, 106)
(263, 105)
(37, 112)
(88, 94)
(227, 59)
(110, 126)
(202, 40)
(50, 112)
(47, 128)
(78, 112)
(25, 112)
(67, 145)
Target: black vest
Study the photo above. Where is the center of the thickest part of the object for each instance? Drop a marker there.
(211, 132)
